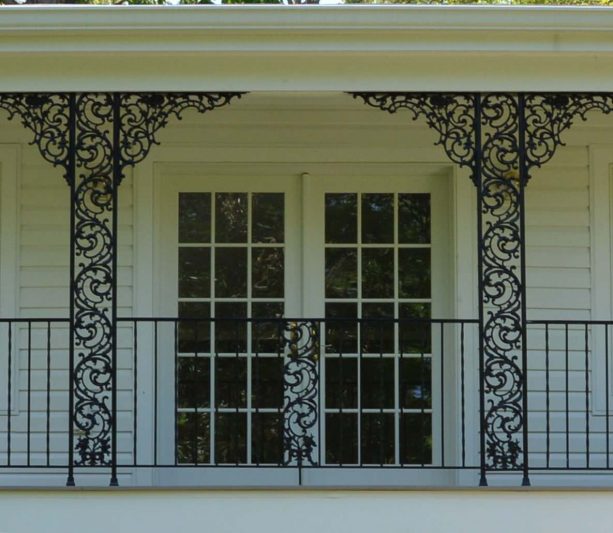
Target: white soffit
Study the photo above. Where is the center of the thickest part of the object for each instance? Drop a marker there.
(313, 48)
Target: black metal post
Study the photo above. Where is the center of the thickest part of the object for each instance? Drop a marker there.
(71, 177)
(478, 179)
(117, 176)
(523, 181)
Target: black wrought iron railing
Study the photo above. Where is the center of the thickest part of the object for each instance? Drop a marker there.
(569, 395)
(323, 401)
(297, 394)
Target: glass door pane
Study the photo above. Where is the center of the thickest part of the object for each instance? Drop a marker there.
(378, 371)
(231, 266)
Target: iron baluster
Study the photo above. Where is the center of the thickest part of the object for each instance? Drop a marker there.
(547, 398)
(587, 397)
(70, 176)
(48, 399)
(606, 411)
(478, 182)
(523, 181)
(300, 389)
(116, 179)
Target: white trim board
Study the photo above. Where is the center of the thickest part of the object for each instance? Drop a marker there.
(601, 249)
(9, 265)
(9, 229)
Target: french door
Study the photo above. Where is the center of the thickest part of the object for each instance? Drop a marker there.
(362, 252)
(231, 259)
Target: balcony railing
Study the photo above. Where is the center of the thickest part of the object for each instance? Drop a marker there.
(305, 401)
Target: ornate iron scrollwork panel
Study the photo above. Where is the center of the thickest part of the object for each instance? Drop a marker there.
(502, 279)
(549, 115)
(93, 277)
(300, 341)
(144, 114)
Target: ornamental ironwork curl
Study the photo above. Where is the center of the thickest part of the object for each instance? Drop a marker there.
(94, 277)
(301, 338)
(547, 116)
(48, 117)
(452, 116)
(500, 250)
(300, 392)
(143, 115)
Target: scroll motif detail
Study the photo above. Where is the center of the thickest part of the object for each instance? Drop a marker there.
(143, 115)
(452, 116)
(300, 390)
(549, 115)
(48, 117)
(500, 250)
(94, 278)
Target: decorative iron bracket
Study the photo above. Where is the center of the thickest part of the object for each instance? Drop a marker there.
(452, 116)
(547, 116)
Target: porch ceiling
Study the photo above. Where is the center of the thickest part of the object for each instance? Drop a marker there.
(316, 48)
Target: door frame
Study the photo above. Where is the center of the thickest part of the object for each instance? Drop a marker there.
(460, 202)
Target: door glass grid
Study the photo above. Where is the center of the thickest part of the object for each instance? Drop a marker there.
(229, 374)
(378, 374)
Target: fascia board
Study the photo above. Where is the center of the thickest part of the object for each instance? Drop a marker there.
(352, 28)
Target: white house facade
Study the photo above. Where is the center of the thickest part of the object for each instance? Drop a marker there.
(350, 261)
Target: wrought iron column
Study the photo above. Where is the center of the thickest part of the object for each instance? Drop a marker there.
(109, 132)
(94, 137)
(93, 279)
(485, 134)
(501, 138)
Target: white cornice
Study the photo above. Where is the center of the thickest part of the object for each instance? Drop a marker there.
(337, 18)
(255, 47)
(283, 29)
